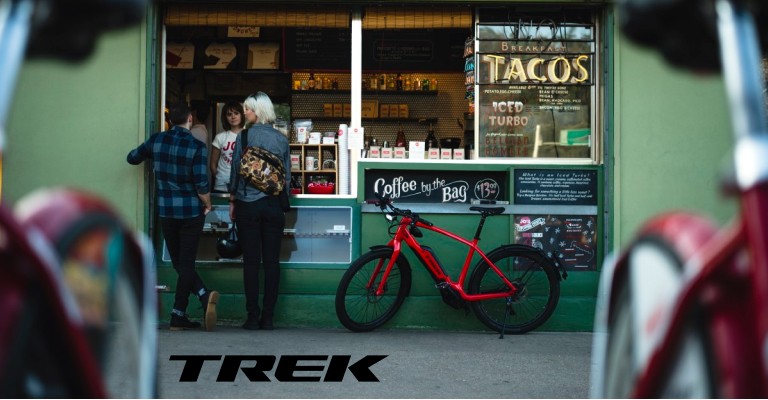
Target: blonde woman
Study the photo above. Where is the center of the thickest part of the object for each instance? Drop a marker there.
(259, 217)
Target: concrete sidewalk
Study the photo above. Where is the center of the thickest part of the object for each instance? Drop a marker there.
(419, 364)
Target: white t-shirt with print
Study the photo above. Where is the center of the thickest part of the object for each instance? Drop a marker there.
(225, 142)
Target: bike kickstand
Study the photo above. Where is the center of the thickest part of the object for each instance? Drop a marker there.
(504, 323)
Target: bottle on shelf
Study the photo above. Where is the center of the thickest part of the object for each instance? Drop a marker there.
(408, 83)
(335, 84)
(327, 83)
(383, 82)
(399, 82)
(433, 84)
(390, 82)
(400, 139)
(431, 140)
(311, 82)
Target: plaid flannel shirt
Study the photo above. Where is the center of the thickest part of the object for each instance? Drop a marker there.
(180, 164)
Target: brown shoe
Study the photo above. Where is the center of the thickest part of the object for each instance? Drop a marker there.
(210, 310)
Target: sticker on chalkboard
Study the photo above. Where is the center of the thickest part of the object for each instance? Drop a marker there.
(572, 239)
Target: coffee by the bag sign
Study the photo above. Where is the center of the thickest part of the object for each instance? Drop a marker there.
(436, 186)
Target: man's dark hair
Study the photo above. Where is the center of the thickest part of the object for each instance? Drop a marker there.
(179, 114)
(201, 109)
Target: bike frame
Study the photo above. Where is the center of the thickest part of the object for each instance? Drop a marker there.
(725, 273)
(403, 234)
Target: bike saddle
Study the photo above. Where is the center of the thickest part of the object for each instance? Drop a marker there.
(683, 31)
(68, 29)
(488, 210)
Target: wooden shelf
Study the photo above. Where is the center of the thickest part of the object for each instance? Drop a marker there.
(369, 92)
(320, 152)
(383, 120)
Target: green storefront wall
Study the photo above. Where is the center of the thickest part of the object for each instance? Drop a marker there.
(666, 131)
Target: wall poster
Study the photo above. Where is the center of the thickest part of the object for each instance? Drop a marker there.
(535, 90)
(570, 238)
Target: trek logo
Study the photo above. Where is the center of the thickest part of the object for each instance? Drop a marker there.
(286, 368)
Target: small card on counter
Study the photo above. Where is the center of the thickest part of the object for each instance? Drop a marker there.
(433, 154)
(399, 152)
(446, 154)
(386, 152)
(458, 154)
(355, 140)
(416, 150)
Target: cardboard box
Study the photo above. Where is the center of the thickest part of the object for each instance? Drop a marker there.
(327, 110)
(374, 152)
(369, 108)
(458, 154)
(446, 154)
(179, 55)
(338, 110)
(347, 110)
(264, 56)
(433, 153)
(402, 110)
(399, 152)
(386, 152)
(384, 111)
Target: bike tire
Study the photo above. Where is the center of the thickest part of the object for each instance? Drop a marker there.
(536, 277)
(653, 278)
(357, 307)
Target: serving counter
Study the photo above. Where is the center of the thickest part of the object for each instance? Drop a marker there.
(556, 208)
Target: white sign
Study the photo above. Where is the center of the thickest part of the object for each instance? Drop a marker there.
(356, 138)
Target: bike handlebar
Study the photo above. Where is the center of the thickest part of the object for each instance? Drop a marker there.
(385, 204)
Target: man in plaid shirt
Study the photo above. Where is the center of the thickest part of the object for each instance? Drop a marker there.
(180, 165)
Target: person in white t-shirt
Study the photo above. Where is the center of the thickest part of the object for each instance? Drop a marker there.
(224, 144)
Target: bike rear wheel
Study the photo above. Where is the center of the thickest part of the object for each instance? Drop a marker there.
(538, 292)
(358, 307)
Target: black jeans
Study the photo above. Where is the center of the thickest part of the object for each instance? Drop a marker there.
(260, 227)
(182, 237)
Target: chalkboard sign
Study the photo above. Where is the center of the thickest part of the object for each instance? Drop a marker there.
(414, 49)
(555, 186)
(383, 50)
(436, 186)
(318, 48)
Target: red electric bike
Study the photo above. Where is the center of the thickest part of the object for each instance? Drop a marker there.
(683, 310)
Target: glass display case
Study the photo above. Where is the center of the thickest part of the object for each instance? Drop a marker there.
(311, 235)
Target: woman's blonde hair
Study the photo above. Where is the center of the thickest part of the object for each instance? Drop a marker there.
(262, 106)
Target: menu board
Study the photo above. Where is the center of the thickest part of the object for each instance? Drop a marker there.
(436, 186)
(383, 50)
(318, 48)
(555, 186)
(414, 50)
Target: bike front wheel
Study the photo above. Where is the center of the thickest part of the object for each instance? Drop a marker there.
(537, 283)
(358, 307)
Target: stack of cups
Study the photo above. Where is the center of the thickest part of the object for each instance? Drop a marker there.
(343, 162)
